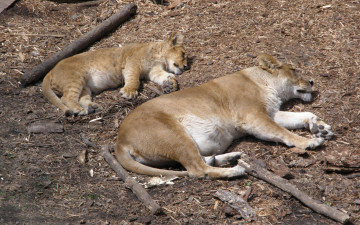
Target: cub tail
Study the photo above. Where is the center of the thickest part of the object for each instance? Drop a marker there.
(52, 97)
(132, 165)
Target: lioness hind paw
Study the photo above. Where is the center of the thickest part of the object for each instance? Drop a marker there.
(237, 171)
(314, 142)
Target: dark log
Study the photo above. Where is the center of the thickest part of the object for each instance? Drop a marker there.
(130, 183)
(257, 171)
(39, 71)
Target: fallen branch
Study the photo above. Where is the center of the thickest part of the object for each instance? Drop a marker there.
(39, 71)
(257, 171)
(130, 183)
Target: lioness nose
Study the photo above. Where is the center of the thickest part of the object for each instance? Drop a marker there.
(311, 82)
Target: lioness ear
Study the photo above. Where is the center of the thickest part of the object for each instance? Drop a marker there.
(267, 62)
(176, 38)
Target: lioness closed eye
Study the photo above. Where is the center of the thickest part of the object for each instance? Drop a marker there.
(195, 126)
(77, 77)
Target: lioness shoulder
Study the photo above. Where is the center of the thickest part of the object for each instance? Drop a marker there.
(78, 77)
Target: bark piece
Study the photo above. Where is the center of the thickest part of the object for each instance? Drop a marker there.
(45, 127)
(39, 71)
(281, 169)
(259, 172)
(237, 203)
(130, 183)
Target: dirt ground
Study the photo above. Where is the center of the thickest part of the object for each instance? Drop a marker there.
(41, 179)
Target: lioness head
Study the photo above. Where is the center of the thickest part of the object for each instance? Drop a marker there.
(286, 74)
(176, 61)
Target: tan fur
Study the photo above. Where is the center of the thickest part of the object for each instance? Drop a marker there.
(77, 77)
(191, 125)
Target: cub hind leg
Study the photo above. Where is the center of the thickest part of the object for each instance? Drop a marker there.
(86, 103)
(71, 97)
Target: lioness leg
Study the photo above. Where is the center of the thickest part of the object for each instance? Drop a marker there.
(263, 127)
(223, 159)
(298, 120)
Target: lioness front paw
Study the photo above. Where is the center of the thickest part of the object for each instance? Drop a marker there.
(170, 85)
(128, 94)
(320, 129)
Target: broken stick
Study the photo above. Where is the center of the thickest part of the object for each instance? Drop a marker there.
(130, 183)
(39, 71)
(257, 171)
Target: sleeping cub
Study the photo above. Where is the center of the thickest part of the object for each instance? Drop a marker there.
(79, 76)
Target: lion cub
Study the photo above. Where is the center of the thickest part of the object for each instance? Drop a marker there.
(195, 126)
(77, 77)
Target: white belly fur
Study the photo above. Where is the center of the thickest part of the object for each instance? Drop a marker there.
(99, 80)
(212, 135)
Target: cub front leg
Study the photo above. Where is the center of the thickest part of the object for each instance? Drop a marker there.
(167, 80)
(132, 82)
(298, 120)
(264, 128)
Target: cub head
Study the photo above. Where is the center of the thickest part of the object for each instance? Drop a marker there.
(293, 83)
(176, 60)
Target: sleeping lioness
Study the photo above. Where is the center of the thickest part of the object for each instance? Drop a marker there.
(193, 125)
(77, 77)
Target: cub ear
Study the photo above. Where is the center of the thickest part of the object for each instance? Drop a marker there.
(267, 62)
(176, 38)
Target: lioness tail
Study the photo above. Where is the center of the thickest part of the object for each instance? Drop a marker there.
(132, 165)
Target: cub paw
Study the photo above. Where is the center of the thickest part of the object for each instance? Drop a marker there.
(128, 94)
(94, 107)
(170, 85)
(320, 129)
(76, 111)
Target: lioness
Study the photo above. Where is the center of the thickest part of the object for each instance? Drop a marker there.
(77, 77)
(192, 125)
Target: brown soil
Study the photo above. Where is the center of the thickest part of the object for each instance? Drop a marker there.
(41, 180)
